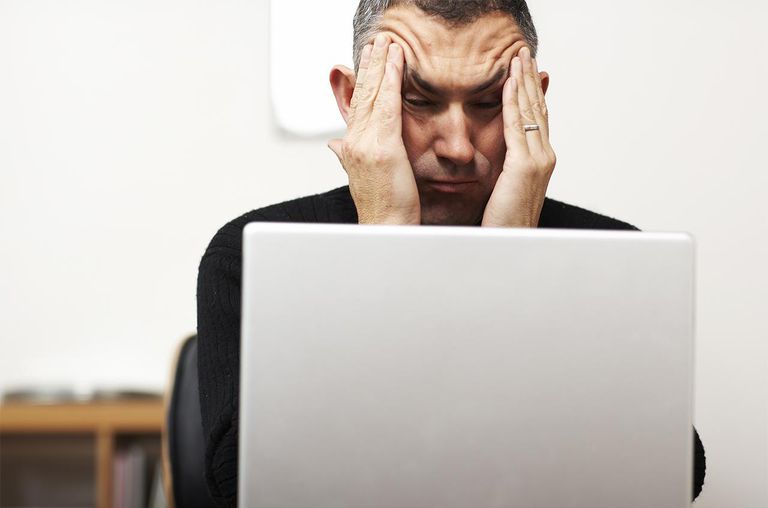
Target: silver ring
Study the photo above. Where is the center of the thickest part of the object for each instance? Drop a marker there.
(531, 127)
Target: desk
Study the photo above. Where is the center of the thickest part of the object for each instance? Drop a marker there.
(107, 423)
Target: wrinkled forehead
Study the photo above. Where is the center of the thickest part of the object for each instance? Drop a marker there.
(453, 57)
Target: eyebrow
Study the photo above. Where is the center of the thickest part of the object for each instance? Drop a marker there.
(429, 88)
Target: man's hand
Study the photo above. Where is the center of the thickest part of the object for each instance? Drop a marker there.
(519, 194)
(372, 153)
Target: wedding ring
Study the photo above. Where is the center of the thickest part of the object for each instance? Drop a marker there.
(531, 127)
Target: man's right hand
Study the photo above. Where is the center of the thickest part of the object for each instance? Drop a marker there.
(372, 153)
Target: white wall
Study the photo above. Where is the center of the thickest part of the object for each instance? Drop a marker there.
(130, 131)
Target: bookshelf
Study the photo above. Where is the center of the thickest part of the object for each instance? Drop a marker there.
(71, 450)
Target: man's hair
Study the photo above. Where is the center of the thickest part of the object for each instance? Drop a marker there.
(452, 12)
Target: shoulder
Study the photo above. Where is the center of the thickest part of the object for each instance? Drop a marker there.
(337, 206)
(334, 206)
(556, 214)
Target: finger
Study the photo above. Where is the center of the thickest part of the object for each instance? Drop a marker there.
(542, 102)
(388, 107)
(514, 135)
(336, 147)
(526, 111)
(531, 89)
(362, 69)
(373, 76)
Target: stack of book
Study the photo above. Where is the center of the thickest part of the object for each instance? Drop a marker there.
(137, 482)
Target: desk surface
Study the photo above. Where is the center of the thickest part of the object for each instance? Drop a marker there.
(125, 416)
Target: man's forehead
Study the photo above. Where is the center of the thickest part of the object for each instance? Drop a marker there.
(454, 57)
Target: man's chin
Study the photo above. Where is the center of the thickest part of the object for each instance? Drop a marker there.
(446, 216)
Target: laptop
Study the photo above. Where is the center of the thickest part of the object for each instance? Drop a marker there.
(426, 367)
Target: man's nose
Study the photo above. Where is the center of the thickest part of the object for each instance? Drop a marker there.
(454, 140)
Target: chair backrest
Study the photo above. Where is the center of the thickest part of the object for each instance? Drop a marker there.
(185, 443)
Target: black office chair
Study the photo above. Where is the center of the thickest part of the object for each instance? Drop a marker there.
(184, 445)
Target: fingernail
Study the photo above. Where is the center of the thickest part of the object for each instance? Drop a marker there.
(392, 54)
(366, 56)
(525, 52)
(380, 41)
(517, 65)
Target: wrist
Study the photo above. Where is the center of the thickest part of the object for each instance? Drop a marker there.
(389, 218)
(529, 220)
(523, 224)
(392, 220)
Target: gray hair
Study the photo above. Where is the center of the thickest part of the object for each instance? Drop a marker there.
(455, 12)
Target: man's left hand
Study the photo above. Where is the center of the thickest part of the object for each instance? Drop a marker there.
(518, 196)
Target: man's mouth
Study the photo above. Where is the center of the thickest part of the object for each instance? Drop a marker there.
(448, 186)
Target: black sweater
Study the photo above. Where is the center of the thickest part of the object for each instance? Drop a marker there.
(218, 321)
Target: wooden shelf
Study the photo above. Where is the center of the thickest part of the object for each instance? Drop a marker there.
(104, 421)
(133, 417)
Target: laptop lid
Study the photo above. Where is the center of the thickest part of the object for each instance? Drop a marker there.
(465, 367)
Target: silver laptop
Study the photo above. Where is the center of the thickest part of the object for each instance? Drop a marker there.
(440, 367)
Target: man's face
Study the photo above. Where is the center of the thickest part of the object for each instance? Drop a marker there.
(452, 111)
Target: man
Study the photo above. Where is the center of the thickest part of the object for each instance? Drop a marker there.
(446, 125)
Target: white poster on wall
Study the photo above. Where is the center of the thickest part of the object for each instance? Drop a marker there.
(307, 39)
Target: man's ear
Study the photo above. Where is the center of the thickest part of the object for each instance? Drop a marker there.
(544, 81)
(343, 84)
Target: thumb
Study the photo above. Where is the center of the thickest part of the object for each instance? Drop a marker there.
(336, 147)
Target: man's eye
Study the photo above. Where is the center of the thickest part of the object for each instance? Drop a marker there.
(419, 103)
(488, 105)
